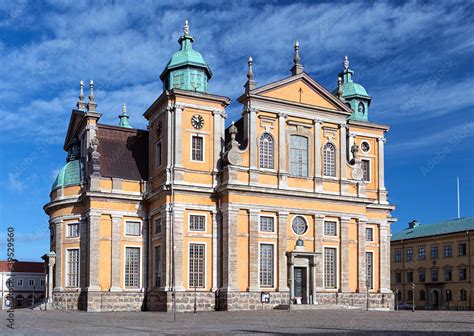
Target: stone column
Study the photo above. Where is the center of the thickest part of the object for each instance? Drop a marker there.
(253, 147)
(313, 264)
(342, 150)
(116, 260)
(178, 250)
(216, 144)
(94, 222)
(167, 249)
(362, 268)
(178, 136)
(318, 181)
(381, 170)
(169, 144)
(291, 262)
(319, 250)
(253, 250)
(282, 248)
(84, 252)
(384, 256)
(214, 251)
(344, 251)
(229, 248)
(282, 160)
(59, 256)
(147, 257)
(51, 263)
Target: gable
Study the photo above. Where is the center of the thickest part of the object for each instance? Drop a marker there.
(300, 91)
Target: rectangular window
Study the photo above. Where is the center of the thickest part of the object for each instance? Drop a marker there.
(72, 230)
(267, 224)
(72, 269)
(369, 234)
(197, 148)
(398, 256)
(158, 154)
(462, 274)
(330, 268)
(462, 249)
(41, 283)
(409, 255)
(434, 275)
(19, 283)
(434, 252)
(409, 277)
(330, 228)
(398, 277)
(298, 155)
(157, 266)
(266, 265)
(421, 253)
(31, 282)
(132, 228)
(421, 276)
(365, 170)
(448, 251)
(197, 223)
(158, 225)
(448, 275)
(132, 267)
(370, 269)
(196, 265)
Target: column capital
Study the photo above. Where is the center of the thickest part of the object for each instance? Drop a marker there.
(343, 125)
(352, 134)
(318, 216)
(345, 219)
(282, 115)
(253, 211)
(317, 121)
(381, 139)
(283, 213)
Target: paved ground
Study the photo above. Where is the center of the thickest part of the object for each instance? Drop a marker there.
(28, 322)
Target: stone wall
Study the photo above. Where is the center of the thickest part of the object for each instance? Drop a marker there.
(69, 300)
(163, 301)
(115, 301)
(250, 300)
(376, 300)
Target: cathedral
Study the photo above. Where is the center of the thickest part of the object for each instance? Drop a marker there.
(285, 206)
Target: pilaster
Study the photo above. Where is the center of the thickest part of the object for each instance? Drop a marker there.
(362, 274)
(384, 249)
(344, 254)
(253, 147)
(214, 251)
(59, 255)
(253, 250)
(94, 257)
(282, 172)
(116, 260)
(381, 159)
(318, 181)
(319, 249)
(178, 250)
(229, 249)
(282, 248)
(342, 150)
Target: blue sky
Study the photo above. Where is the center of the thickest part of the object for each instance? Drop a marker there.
(414, 58)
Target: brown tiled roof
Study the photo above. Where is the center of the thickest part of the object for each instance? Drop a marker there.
(123, 152)
(23, 266)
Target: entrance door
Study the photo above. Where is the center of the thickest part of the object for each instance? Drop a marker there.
(435, 298)
(300, 285)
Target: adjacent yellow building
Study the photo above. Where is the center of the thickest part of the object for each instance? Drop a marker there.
(432, 264)
(288, 200)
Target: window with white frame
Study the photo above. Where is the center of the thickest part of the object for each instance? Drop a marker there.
(132, 228)
(158, 225)
(196, 265)
(266, 265)
(369, 234)
(197, 148)
(330, 228)
(365, 170)
(158, 153)
(197, 222)
(132, 267)
(370, 269)
(330, 267)
(157, 266)
(31, 282)
(72, 269)
(299, 225)
(267, 224)
(329, 160)
(298, 155)
(266, 151)
(72, 230)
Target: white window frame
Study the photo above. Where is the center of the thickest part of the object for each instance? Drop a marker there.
(370, 228)
(203, 288)
(158, 158)
(308, 168)
(274, 222)
(335, 160)
(368, 143)
(337, 227)
(140, 282)
(78, 229)
(307, 225)
(197, 214)
(369, 160)
(203, 147)
(274, 265)
(337, 269)
(78, 267)
(139, 229)
(271, 156)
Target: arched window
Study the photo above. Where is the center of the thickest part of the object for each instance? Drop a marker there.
(449, 295)
(329, 160)
(266, 151)
(298, 155)
(361, 108)
(422, 295)
(463, 295)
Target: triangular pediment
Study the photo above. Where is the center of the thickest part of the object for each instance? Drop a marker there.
(302, 89)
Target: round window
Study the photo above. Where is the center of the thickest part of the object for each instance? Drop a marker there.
(299, 225)
(365, 146)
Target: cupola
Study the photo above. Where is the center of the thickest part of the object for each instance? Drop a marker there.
(186, 70)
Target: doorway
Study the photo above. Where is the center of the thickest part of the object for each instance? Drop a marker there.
(435, 298)
(300, 285)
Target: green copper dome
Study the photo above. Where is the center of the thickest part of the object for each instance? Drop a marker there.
(69, 175)
(186, 70)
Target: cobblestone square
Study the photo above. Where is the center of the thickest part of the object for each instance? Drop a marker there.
(29, 322)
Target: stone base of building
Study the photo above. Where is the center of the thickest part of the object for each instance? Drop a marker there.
(184, 301)
(375, 300)
(99, 301)
(232, 301)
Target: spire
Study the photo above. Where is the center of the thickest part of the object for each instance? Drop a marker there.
(347, 73)
(81, 105)
(186, 40)
(91, 105)
(124, 117)
(297, 67)
(250, 84)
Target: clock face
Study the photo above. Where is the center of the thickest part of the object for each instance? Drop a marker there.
(197, 121)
